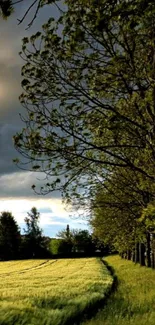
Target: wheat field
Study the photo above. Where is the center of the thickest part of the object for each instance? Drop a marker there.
(48, 292)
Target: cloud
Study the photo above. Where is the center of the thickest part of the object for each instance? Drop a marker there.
(45, 210)
(19, 184)
(15, 185)
(51, 222)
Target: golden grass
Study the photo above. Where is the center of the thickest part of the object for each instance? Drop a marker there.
(50, 291)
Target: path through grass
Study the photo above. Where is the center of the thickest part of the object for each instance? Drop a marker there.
(134, 300)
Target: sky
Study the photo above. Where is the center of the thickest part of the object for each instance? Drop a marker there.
(16, 194)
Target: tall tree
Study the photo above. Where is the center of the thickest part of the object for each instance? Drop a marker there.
(117, 207)
(9, 237)
(89, 94)
(33, 242)
(90, 99)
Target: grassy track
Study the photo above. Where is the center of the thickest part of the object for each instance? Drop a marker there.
(45, 292)
(134, 300)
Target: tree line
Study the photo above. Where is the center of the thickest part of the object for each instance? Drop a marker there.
(89, 94)
(33, 244)
(14, 245)
(76, 243)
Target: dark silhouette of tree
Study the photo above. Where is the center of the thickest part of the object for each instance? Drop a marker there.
(82, 242)
(9, 237)
(76, 241)
(65, 244)
(7, 7)
(33, 241)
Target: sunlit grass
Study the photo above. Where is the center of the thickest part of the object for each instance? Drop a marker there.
(50, 291)
(134, 300)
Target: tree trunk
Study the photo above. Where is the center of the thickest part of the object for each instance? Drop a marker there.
(133, 255)
(136, 252)
(148, 250)
(153, 251)
(129, 254)
(141, 254)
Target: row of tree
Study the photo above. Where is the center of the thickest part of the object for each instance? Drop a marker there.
(124, 216)
(13, 245)
(77, 243)
(69, 243)
(89, 93)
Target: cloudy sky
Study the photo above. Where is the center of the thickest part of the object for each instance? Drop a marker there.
(15, 185)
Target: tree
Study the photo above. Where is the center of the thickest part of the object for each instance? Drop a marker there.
(65, 245)
(82, 242)
(7, 7)
(117, 207)
(9, 237)
(33, 240)
(89, 94)
(75, 241)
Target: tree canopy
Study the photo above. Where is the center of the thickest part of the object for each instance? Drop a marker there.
(9, 237)
(34, 241)
(88, 89)
(88, 94)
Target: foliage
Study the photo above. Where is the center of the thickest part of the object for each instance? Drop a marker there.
(9, 237)
(6, 8)
(88, 89)
(89, 94)
(33, 242)
(117, 206)
(82, 241)
(51, 291)
(148, 217)
(76, 241)
(60, 246)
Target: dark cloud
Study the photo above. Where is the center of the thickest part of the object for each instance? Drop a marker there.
(18, 184)
(10, 89)
(15, 185)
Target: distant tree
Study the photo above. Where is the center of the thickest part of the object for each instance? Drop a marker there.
(66, 244)
(9, 237)
(65, 233)
(82, 241)
(99, 246)
(60, 246)
(76, 240)
(33, 240)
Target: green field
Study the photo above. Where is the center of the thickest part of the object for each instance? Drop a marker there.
(50, 291)
(133, 303)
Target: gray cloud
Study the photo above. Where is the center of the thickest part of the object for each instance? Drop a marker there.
(15, 185)
(10, 66)
(18, 185)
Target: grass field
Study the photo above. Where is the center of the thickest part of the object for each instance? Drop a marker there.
(45, 292)
(133, 303)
